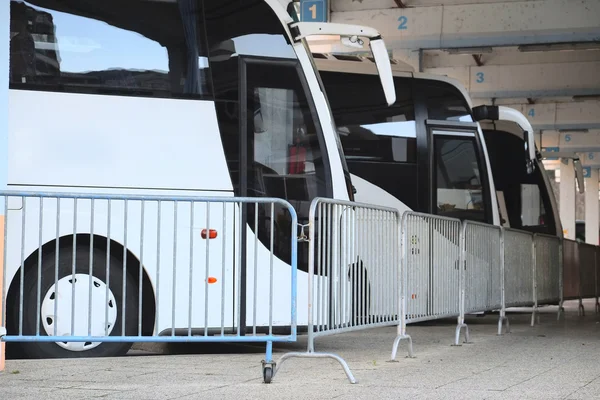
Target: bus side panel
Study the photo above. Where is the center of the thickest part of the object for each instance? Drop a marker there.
(66, 139)
(177, 262)
(272, 292)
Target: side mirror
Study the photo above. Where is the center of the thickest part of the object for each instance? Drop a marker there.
(502, 113)
(384, 67)
(483, 112)
(579, 174)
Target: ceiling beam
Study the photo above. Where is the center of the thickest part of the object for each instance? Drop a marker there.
(484, 24)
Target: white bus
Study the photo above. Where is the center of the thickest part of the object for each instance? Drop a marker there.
(428, 152)
(160, 97)
(524, 192)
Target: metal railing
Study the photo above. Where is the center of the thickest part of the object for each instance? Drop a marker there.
(482, 274)
(354, 262)
(482, 281)
(518, 271)
(597, 279)
(581, 272)
(571, 274)
(587, 269)
(547, 269)
(430, 280)
(89, 270)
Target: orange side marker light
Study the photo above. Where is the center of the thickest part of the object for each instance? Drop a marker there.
(211, 233)
(212, 279)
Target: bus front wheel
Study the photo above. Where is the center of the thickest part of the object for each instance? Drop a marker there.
(58, 303)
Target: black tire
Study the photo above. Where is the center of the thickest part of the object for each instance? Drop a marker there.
(361, 291)
(267, 374)
(51, 349)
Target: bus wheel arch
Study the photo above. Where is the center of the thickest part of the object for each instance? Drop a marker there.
(82, 245)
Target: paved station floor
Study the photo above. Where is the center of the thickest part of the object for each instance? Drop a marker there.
(553, 360)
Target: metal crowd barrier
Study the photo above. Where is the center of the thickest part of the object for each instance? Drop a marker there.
(587, 270)
(354, 262)
(547, 270)
(430, 280)
(518, 271)
(597, 279)
(102, 269)
(482, 281)
(571, 274)
(501, 268)
(581, 272)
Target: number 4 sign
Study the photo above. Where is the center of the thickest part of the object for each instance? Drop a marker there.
(313, 10)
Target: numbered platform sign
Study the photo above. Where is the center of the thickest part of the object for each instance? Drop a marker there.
(313, 10)
(552, 150)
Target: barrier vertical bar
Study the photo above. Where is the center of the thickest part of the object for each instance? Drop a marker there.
(3, 290)
(581, 270)
(174, 266)
(402, 287)
(311, 274)
(191, 271)
(561, 282)
(4, 55)
(596, 276)
(534, 281)
(503, 316)
(462, 268)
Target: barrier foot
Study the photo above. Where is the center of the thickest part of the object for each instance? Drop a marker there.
(535, 314)
(581, 308)
(501, 320)
(397, 342)
(268, 366)
(308, 354)
(561, 311)
(597, 307)
(457, 334)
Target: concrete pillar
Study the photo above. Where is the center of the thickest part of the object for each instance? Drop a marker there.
(567, 198)
(592, 208)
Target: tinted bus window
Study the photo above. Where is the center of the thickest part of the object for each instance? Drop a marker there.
(379, 142)
(140, 48)
(526, 197)
(269, 127)
(444, 102)
(248, 47)
(458, 179)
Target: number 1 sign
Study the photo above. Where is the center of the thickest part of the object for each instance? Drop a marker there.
(313, 10)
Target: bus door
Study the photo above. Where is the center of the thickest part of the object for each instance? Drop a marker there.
(280, 157)
(458, 189)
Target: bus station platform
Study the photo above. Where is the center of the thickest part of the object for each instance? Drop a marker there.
(552, 360)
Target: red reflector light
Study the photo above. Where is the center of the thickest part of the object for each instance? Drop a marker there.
(212, 233)
(212, 279)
